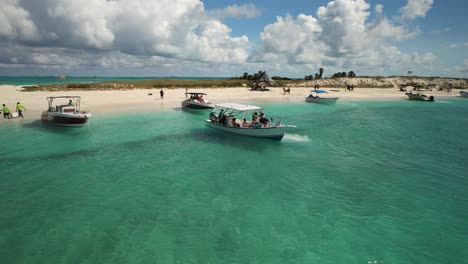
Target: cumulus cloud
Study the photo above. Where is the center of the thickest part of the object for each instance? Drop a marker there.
(237, 11)
(169, 28)
(415, 8)
(177, 37)
(340, 36)
(379, 8)
(15, 23)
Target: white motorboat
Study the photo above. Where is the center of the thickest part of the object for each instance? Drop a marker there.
(464, 94)
(65, 114)
(196, 101)
(419, 96)
(314, 97)
(225, 120)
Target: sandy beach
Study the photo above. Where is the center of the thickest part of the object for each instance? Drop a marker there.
(140, 100)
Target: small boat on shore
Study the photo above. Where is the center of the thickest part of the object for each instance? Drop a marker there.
(226, 120)
(65, 114)
(314, 97)
(464, 94)
(196, 101)
(419, 96)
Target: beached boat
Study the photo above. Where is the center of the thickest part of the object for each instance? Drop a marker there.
(314, 97)
(419, 96)
(65, 114)
(464, 94)
(196, 101)
(225, 120)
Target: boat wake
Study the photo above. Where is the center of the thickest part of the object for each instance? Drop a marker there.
(295, 138)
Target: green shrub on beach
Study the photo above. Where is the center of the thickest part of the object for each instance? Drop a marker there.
(31, 88)
(417, 85)
(79, 85)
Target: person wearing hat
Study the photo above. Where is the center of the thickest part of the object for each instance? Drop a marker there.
(19, 109)
(6, 112)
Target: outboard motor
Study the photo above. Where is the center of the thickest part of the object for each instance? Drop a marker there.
(214, 117)
(431, 98)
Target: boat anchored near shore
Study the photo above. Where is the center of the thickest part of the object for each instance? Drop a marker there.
(196, 101)
(314, 97)
(226, 120)
(419, 96)
(65, 114)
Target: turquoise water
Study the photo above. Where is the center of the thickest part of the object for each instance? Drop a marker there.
(36, 80)
(384, 182)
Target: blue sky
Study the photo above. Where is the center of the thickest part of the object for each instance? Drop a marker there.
(228, 37)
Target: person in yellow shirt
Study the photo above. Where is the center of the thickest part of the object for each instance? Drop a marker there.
(6, 112)
(19, 109)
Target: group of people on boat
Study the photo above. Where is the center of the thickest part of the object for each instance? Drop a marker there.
(256, 122)
(197, 97)
(7, 113)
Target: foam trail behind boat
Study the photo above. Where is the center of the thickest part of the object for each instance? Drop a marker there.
(295, 138)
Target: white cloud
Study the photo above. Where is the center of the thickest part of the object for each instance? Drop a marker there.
(463, 69)
(441, 30)
(340, 37)
(379, 8)
(458, 45)
(15, 22)
(414, 9)
(237, 11)
(169, 28)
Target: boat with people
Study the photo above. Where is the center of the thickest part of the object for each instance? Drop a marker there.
(464, 94)
(314, 97)
(232, 118)
(66, 114)
(196, 101)
(419, 96)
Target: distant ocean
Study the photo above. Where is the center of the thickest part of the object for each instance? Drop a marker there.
(37, 80)
(381, 182)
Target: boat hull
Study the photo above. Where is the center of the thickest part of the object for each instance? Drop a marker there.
(61, 119)
(322, 100)
(464, 94)
(417, 97)
(190, 104)
(276, 133)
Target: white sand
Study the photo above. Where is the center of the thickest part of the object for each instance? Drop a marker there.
(138, 99)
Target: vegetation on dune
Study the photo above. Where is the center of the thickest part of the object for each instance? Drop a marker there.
(339, 82)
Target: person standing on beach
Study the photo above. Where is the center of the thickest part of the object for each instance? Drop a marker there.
(161, 93)
(6, 112)
(19, 109)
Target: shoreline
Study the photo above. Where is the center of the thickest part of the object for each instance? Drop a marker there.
(140, 100)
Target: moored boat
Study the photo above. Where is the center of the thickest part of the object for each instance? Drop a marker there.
(464, 94)
(419, 96)
(196, 101)
(225, 120)
(65, 114)
(314, 97)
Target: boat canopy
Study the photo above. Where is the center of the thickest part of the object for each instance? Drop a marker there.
(318, 91)
(238, 107)
(195, 93)
(65, 96)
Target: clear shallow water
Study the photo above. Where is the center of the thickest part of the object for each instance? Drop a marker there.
(36, 80)
(353, 183)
